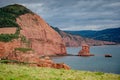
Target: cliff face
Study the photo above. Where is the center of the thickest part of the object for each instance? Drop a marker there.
(8, 47)
(43, 39)
(26, 37)
(75, 41)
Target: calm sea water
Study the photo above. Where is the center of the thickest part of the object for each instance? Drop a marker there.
(94, 63)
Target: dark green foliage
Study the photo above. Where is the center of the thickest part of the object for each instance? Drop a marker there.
(12, 61)
(8, 37)
(8, 23)
(16, 9)
(8, 61)
(57, 29)
(23, 49)
(9, 14)
(8, 17)
(23, 39)
(18, 31)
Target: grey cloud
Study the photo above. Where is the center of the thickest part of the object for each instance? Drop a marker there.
(75, 14)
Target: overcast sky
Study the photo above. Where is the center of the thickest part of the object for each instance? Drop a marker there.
(75, 14)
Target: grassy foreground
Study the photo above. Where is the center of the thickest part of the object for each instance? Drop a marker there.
(20, 72)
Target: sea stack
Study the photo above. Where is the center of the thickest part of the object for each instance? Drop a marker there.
(85, 51)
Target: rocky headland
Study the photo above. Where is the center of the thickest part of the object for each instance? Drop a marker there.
(29, 37)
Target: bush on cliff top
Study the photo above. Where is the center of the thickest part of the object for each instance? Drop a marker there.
(20, 72)
(9, 13)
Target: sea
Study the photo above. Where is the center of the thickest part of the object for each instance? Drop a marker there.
(98, 63)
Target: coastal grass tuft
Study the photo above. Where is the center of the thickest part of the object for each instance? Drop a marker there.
(23, 49)
(22, 72)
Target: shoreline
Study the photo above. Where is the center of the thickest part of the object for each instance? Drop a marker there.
(95, 45)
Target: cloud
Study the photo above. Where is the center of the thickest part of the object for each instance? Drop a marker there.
(34, 7)
(88, 27)
(116, 4)
(75, 14)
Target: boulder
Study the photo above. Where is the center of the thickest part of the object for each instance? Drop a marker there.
(60, 66)
(108, 55)
(47, 62)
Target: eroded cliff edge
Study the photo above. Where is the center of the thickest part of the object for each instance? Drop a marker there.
(18, 23)
(43, 39)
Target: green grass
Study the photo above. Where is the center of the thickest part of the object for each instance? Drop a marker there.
(6, 61)
(23, 49)
(21, 72)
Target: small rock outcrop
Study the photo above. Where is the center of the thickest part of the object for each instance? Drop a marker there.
(34, 60)
(85, 51)
(108, 55)
(47, 62)
(30, 58)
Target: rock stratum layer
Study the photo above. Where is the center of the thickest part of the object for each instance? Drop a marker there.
(43, 39)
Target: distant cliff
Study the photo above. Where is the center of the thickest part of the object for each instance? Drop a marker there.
(111, 34)
(76, 40)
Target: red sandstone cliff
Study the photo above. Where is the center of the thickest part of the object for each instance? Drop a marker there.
(33, 38)
(43, 39)
(8, 47)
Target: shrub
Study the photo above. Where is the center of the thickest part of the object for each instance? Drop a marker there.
(8, 37)
(12, 61)
(23, 49)
(24, 40)
(8, 61)
(9, 14)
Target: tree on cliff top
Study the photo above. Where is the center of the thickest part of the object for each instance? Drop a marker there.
(9, 13)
